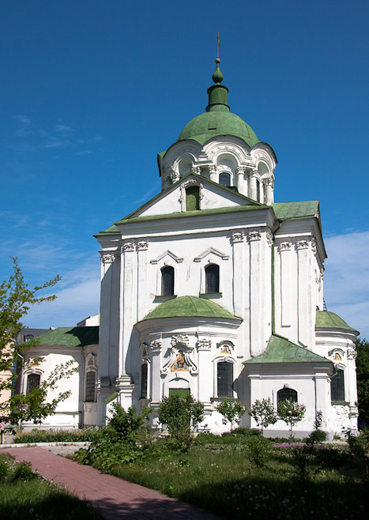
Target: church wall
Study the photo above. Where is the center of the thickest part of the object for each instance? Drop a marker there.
(69, 412)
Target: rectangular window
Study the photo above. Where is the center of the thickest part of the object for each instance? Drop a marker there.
(224, 379)
(338, 386)
(90, 387)
(33, 381)
(144, 381)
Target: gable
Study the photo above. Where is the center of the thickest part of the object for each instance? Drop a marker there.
(173, 200)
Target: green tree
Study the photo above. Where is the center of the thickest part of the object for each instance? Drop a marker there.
(291, 412)
(362, 372)
(263, 413)
(16, 298)
(232, 410)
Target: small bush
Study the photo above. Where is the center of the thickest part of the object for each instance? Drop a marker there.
(35, 435)
(258, 449)
(317, 436)
(4, 467)
(24, 472)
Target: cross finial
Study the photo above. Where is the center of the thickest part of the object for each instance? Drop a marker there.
(218, 43)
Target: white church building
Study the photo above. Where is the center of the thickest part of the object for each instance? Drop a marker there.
(213, 289)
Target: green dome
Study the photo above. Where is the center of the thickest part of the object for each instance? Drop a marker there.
(215, 123)
(189, 306)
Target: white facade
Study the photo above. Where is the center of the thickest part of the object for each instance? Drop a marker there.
(268, 260)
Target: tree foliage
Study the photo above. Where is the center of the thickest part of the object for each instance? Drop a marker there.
(263, 413)
(291, 412)
(16, 298)
(362, 372)
(232, 410)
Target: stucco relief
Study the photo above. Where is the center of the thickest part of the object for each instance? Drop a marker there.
(142, 245)
(155, 346)
(108, 258)
(237, 236)
(254, 235)
(128, 247)
(285, 246)
(203, 344)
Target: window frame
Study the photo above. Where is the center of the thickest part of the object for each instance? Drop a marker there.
(30, 375)
(209, 282)
(223, 361)
(163, 287)
(293, 394)
(339, 379)
(94, 400)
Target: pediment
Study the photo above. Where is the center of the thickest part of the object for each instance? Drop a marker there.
(209, 251)
(167, 253)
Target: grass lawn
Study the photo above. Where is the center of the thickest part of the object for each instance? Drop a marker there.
(25, 495)
(234, 480)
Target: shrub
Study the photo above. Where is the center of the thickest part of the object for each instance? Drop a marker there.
(258, 449)
(23, 471)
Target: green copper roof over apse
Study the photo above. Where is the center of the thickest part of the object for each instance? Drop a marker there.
(330, 320)
(281, 350)
(218, 120)
(70, 337)
(190, 306)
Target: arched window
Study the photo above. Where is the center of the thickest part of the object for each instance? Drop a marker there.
(286, 393)
(192, 198)
(225, 179)
(167, 281)
(144, 381)
(33, 381)
(224, 379)
(338, 386)
(212, 278)
(90, 387)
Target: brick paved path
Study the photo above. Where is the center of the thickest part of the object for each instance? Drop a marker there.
(115, 498)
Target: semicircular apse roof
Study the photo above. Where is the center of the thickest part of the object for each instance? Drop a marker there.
(190, 306)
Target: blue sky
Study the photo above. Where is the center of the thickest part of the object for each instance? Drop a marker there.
(93, 90)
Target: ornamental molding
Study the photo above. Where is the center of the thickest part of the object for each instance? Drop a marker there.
(180, 340)
(142, 245)
(108, 258)
(209, 251)
(237, 236)
(285, 246)
(167, 253)
(155, 346)
(302, 244)
(174, 177)
(240, 170)
(128, 247)
(351, 353)
(254, 236)
(203, 344)
(269, 237)
(313, 245)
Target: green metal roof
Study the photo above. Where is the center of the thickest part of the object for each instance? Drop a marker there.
(281, 350)
(70, 337)
(215, 123)
(190, 306)
(292, 210)
(330, 320)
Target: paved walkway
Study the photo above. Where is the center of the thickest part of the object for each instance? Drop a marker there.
(115, 498)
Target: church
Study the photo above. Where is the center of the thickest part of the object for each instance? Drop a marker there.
(213, 289)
